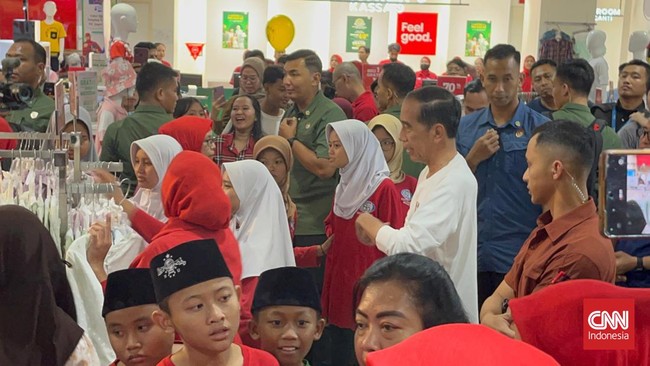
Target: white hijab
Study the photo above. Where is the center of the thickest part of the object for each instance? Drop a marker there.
(160, 149)
(260, 225)
(366, 169)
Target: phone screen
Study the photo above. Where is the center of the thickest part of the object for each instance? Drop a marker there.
(217, 93)
(625, 194)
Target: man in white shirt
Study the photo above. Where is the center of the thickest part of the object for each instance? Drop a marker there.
(441, 222)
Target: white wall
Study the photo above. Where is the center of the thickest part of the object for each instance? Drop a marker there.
(498, 11)
(191, 28)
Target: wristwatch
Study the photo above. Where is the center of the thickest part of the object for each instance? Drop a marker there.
(639, 264)
(291, 140)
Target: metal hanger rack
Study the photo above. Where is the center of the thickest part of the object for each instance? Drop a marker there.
(69, 192)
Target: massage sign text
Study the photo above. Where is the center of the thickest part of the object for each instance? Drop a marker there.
(417, 33)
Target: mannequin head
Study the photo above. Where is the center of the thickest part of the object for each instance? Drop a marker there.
(49, 8)
(123, 20)
(596, 43)
(638, 42)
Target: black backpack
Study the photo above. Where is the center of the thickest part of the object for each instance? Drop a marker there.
(596, 130)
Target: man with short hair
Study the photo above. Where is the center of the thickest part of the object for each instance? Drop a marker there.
(567, 243)
(474, 97)
(441, 222)
(571, 86)
(542, 73)
(395, 81)
(493, 141)
(156, 85)
(31, 71)
(275, 102)
(313, 177)
(348, 85)
(393, 51)
(633, 84)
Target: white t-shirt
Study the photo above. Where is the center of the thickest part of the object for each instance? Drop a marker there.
(442, 224)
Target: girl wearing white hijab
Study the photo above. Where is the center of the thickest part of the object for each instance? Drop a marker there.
(82, 125)
(259, 222)
(150, 158)
(365, 186)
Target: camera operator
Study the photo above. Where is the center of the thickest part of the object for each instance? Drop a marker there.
(31, 71)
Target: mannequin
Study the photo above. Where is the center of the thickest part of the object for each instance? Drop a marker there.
(638, 42)
(54, 33)
(123, 21)
(596, 46)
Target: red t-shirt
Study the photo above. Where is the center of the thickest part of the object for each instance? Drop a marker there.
(252, 357)
(6, 144)
(364, 107)
(406, 188)
(348, 258)
(424, 75)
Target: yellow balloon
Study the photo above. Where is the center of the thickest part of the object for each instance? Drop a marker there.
(280, 32)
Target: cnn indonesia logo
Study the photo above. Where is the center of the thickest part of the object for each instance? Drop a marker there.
(608, 324)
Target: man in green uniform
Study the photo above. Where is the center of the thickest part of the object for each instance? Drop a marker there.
(36, 116)
(313, 177)
(156, 85)
(571, 87)
(394, 82)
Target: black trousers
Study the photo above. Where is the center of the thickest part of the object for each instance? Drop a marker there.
(487, 284)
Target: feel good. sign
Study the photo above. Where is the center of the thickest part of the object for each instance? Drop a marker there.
(417, 33)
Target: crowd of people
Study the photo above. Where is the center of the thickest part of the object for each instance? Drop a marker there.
(387, 226)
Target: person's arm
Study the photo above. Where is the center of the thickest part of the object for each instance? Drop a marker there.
(492, 314)
(429, 226)
(320, 167)
(486, 146)
(145, 225)
(101, 240)
(311, 256)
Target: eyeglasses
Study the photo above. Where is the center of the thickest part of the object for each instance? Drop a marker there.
(249, 78)
(386, 144)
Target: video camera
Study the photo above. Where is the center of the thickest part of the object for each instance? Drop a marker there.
(13, 96)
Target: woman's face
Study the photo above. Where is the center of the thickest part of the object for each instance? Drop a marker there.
(196, 109)
(334, 62)
(274, 162)
(363, 55)
(386, 142)
(338, 156)
(250, 82)
(455, 70)
(243, 114)
(529, 62)
(208, 147)
(226, 184)
(144, 170)
(386, 315)
(84, 147)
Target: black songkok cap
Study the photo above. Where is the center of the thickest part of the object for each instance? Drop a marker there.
(128, 288)
(187, 265)
(286, 286)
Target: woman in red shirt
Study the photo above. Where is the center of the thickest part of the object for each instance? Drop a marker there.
(365, 186)
(527, 85)
(238, 143)
(387, 129)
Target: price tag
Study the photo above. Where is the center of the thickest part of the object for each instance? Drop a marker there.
(455, 84)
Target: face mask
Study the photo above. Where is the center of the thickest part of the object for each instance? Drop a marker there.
(424, 67)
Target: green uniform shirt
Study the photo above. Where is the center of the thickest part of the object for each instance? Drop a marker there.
(116, 146)
(582, 114)
(36, 117)
(312, 195)
(409, 167)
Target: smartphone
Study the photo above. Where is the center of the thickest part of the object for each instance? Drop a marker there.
(48, 89)
(217, 93)
(624, 193)
(140, 55)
